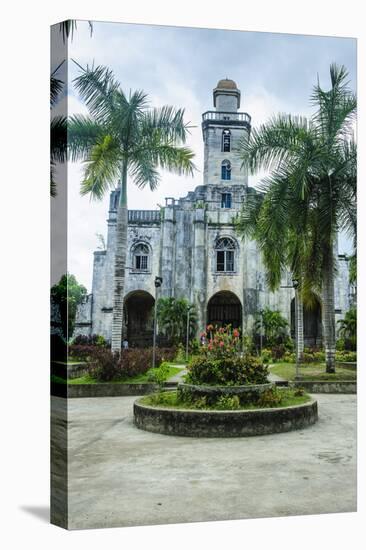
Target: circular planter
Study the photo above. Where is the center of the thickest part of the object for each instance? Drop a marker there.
(242, 423)
(247, 394)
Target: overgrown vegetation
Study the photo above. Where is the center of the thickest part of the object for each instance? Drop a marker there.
(347, 330)
(173, 317)
(106, 366)
(67, 295)
(158, 376)
(274, 328)
(271, 398)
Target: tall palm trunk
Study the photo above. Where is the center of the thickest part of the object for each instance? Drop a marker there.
(120, 264)
(299, 312)
(328, 312)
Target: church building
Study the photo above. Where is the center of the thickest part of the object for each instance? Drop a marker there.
(192, 244)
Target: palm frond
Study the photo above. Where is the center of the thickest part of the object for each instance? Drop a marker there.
(58, 139)
(67, 28)
(273, 143)
(336, 108)
(144, 173)
(169, 121)
(178, 160)
(102, 168)
(83, 133)
(247, 221)
(100, 91)
(56, 87)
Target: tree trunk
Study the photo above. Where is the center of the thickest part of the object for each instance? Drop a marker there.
(328, 313)
(299, 312)
(120, 264)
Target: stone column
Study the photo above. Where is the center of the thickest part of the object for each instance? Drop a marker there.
(167, 251)
(199, 267)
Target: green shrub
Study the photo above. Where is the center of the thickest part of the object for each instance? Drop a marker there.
(159, 374)
(237, 370)
(248, 344)
(266, 355)
(270, 398)
(194, 346)
(346, 356)
(340, 344)
(181, 354)
(289, 357)
(227, 403)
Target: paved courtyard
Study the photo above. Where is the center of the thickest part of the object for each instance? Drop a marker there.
(119, 475)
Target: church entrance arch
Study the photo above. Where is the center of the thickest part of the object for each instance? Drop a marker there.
(224, 308)
(312, 320)
(139, 318)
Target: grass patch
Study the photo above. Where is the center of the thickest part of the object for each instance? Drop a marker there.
(58, 379)
(170, 399)
(139, 379)
(312, 371)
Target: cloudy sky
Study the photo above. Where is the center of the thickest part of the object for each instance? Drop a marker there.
(180, 67)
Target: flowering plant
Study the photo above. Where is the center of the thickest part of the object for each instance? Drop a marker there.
(221, 361)
(222, 342)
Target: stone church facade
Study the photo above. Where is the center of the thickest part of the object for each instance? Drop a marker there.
(192, 244)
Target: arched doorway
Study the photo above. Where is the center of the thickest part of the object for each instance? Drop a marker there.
(224, 308)
(139, 318)
(312, 320)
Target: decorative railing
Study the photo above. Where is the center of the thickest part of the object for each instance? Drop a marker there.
(223, 116)
(144, 216)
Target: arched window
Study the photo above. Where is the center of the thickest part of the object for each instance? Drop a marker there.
(225, 254)
(226, 170)
(226, 141)
(140, 257)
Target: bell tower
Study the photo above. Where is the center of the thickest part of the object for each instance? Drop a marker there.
(222, 131)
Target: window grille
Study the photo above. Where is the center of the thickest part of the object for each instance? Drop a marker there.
(225, 248)
(226, 200)
(226, 170)
(141, 257)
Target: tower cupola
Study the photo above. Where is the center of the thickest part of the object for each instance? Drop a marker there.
(226, 96)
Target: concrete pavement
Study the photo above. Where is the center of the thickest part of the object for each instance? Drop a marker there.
(120, 476)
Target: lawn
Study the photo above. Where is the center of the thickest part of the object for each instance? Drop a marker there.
(312, 371)
(141, 378)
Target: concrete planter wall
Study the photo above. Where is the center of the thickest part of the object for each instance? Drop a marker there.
(247, 394)
(321, 386)
(199, 423)
(65, 370)
(101, 390)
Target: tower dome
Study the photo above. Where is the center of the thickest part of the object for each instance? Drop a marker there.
(226, 95)
(226, 84)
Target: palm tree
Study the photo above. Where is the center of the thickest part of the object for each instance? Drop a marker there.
(273, 324)
(172, 318)
(348, 327)
(124, 139)
(309, 195)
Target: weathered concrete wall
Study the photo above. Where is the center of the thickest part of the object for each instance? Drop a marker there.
(327, 387)
(199, 423)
